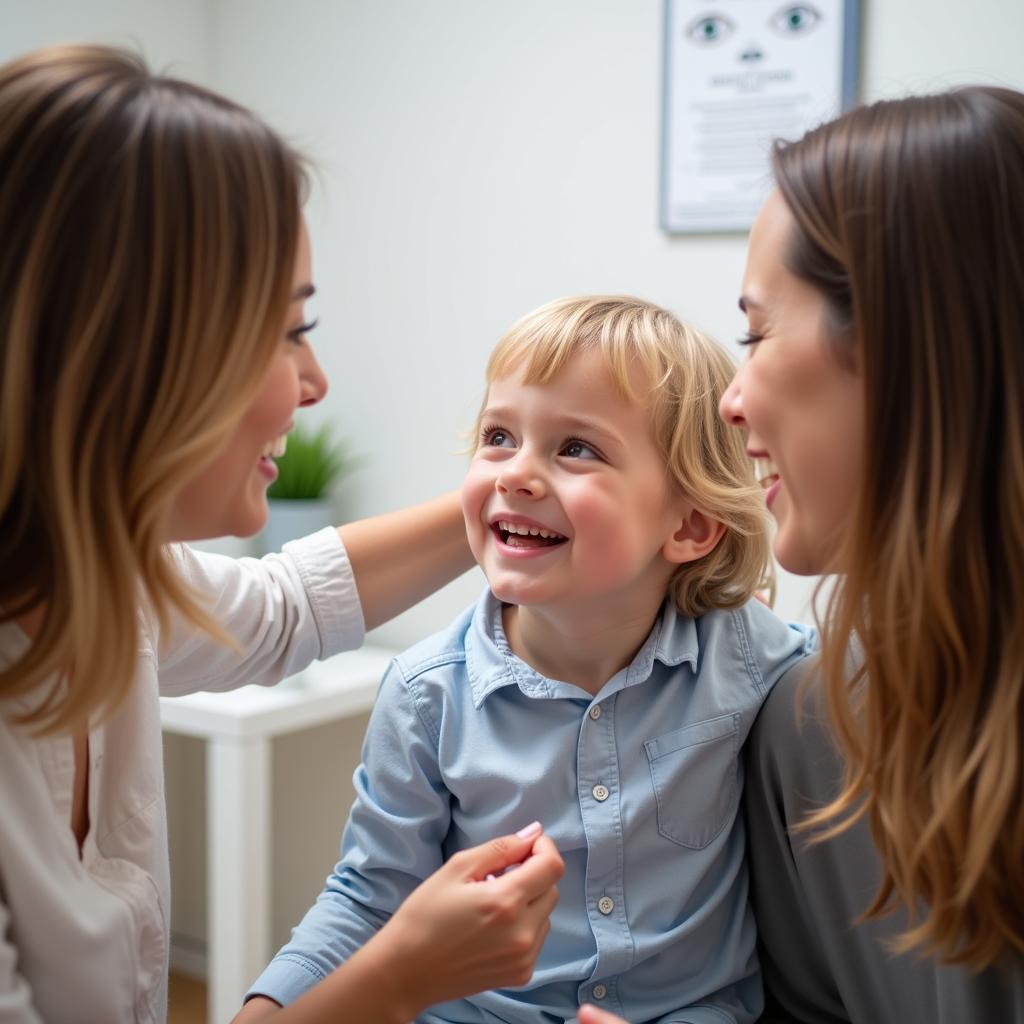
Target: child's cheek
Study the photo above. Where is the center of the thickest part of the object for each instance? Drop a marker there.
(600, 532)
(477, 487)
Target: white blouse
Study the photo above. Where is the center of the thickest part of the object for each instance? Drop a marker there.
(86, 939)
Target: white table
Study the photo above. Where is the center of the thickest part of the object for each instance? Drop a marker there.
(238, 727)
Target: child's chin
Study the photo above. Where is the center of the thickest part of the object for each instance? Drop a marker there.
(506, 593)
(518, 595)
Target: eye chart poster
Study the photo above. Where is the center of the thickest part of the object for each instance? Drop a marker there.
(738, 75)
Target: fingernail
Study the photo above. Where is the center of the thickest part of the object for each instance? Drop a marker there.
(531, 830)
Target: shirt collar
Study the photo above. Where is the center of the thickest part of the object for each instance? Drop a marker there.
(490, 663)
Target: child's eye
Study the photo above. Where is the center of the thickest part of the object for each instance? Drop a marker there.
(297, 335)
(579, 450)
(496, 437)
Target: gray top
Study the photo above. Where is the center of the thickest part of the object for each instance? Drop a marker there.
(819, 966)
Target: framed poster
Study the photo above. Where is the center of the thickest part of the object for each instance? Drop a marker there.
(738, 75)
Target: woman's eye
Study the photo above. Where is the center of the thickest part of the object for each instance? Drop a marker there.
(795, 19)
(712, 28)
(297, 335)
(495, 437)
(750, 338)
(579, 450)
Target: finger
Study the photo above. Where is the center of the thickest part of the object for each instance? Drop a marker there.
(494, 856)
(545, 902)
(537, 919)
(592, 1015)
(538, 873)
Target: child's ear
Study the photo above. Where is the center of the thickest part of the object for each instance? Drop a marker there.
(696, 535)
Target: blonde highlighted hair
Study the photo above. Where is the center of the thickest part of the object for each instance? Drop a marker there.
(685, 374)
(149, 233)
(907, 218)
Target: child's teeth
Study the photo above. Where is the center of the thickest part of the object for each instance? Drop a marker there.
(527, 531)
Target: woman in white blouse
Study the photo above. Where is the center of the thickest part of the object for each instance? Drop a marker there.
(153, 273)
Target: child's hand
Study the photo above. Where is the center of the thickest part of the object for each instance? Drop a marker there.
(461, 933)
(592, 1015)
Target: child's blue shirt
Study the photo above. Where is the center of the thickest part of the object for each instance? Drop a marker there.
(639, 788)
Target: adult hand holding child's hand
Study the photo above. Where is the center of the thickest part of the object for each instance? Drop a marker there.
(461, 932)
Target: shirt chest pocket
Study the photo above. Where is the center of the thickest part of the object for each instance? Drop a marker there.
(695, 771)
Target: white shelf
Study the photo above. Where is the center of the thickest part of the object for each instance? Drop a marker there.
(238, 727)
(341, 686)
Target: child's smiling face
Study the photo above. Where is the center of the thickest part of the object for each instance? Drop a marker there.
(567, 498)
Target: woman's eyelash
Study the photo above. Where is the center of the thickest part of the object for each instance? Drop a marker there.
(297, 332)
(750, 338)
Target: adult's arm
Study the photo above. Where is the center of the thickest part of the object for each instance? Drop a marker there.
(790, 759)
(453, 936)
(400, 557)
(311, 601)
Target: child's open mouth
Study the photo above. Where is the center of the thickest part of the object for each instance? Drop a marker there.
(518, 535)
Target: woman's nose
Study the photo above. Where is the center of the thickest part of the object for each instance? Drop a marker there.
(312, 379)
(730, 408)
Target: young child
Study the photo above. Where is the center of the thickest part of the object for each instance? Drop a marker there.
(603, 684)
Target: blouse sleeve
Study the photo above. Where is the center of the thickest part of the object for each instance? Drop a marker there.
(15, 995)
(282, 611)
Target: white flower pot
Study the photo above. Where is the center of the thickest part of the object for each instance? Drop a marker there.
(290, 519)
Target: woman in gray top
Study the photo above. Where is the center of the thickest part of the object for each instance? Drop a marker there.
(884, 391)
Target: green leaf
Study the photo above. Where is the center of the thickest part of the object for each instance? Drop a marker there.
(311, 465)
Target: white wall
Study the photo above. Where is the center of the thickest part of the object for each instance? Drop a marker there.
(476, 159)
(176, 36)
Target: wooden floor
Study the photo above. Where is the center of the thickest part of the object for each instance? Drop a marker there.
(186, 1000)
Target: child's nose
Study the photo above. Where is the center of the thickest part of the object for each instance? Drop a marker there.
(519, 475)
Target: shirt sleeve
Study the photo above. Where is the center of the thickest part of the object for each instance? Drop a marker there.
(283, 611)
(15, 994)
(771, 646)
(393, 840)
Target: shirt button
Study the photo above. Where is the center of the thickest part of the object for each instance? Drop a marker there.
(606, 905)
(600, 793)
(595, 712)
(600, 991)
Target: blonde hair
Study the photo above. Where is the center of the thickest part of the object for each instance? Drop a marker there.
(149, 233)
(686, 374)
(906, 219)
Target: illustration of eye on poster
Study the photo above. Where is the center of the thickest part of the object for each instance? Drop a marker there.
(738, 75)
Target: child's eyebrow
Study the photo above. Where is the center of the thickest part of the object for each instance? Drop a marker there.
(588, 426)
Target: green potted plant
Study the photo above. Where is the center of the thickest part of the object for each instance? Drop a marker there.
(300, 499)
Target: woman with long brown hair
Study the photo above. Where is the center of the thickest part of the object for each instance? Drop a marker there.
(154, 267)
(884, 391)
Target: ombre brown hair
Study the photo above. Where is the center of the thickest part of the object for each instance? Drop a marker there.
(909, 218)
(149, 230)
(684, 375)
